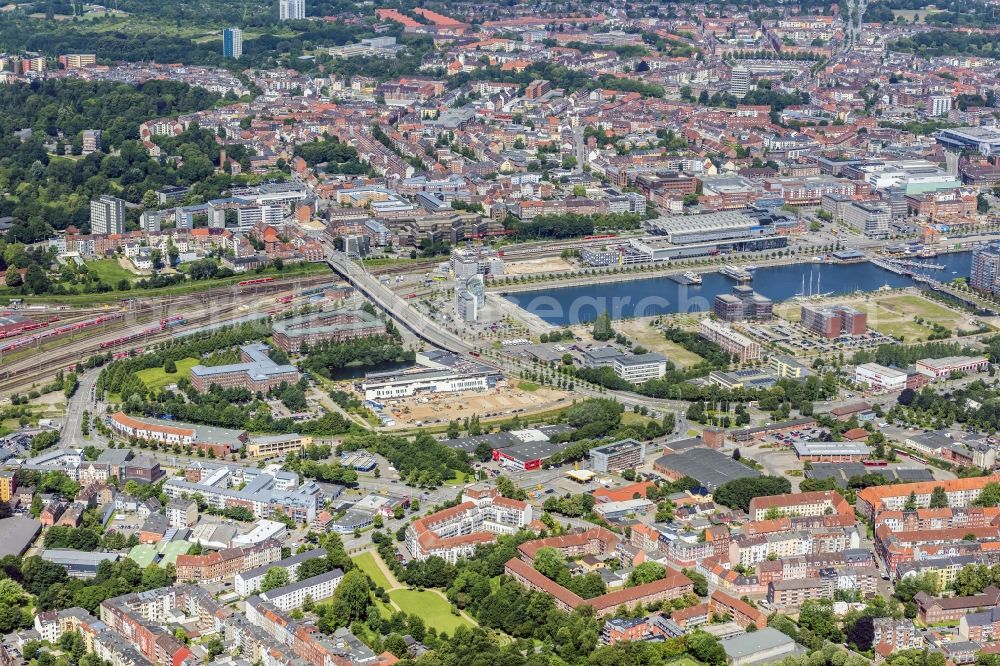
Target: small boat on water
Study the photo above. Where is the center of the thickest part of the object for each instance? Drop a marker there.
(687, 278)
(736, 273)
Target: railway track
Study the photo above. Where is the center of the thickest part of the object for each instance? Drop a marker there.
(39, 367)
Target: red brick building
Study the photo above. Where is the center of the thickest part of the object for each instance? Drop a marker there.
(742, 613)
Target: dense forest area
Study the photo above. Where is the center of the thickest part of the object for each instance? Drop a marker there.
(71, 106)
(50, 184)
(940, 43)
(189, 38)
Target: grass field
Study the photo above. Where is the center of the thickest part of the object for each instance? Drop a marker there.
(434, 610)
(684, 661)
(110, 271)
(530, 387)
(895, 315)
(366, 562)
(629, 418)
(652, 339)
(459, 478)
(385, 610)
(155, 378)
(908, 14)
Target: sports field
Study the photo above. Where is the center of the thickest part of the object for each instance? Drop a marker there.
(172, 549)
(143, 555)
(434, 610)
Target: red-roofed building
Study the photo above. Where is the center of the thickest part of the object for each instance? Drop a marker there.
(621, 494)
(673, 585)
(817, 503)
(455, 532)
(742, 613)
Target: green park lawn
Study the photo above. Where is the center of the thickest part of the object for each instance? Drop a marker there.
(155, 378)
(366, 562)
(685, 661)
(459, 478)
(435, 611)
(631, 418)
(110, 271)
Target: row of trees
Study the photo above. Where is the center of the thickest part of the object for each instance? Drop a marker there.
(570, 225)
(327, 357)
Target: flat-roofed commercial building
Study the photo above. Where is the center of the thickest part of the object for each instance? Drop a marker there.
(763, 646)
(709, 467)
(710, 227)
(623, 454)
(333, 326)
(944, 367)
(871, 218)
(637, 368)
(879, 378)
(79, 563)
(440, 372)
(831, 451)
(986, 140)
(833, 321)
(267, 446)
(743, 303)
(730, 340)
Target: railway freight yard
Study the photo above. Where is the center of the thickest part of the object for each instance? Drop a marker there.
(126, 327)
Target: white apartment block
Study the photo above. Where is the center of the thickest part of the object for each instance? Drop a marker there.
(107, 215)
(248, 582)
(817, 503)
(289, 10)
(317, 588)
(749, 550)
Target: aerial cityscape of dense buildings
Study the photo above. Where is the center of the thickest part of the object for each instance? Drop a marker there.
(502, 333)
